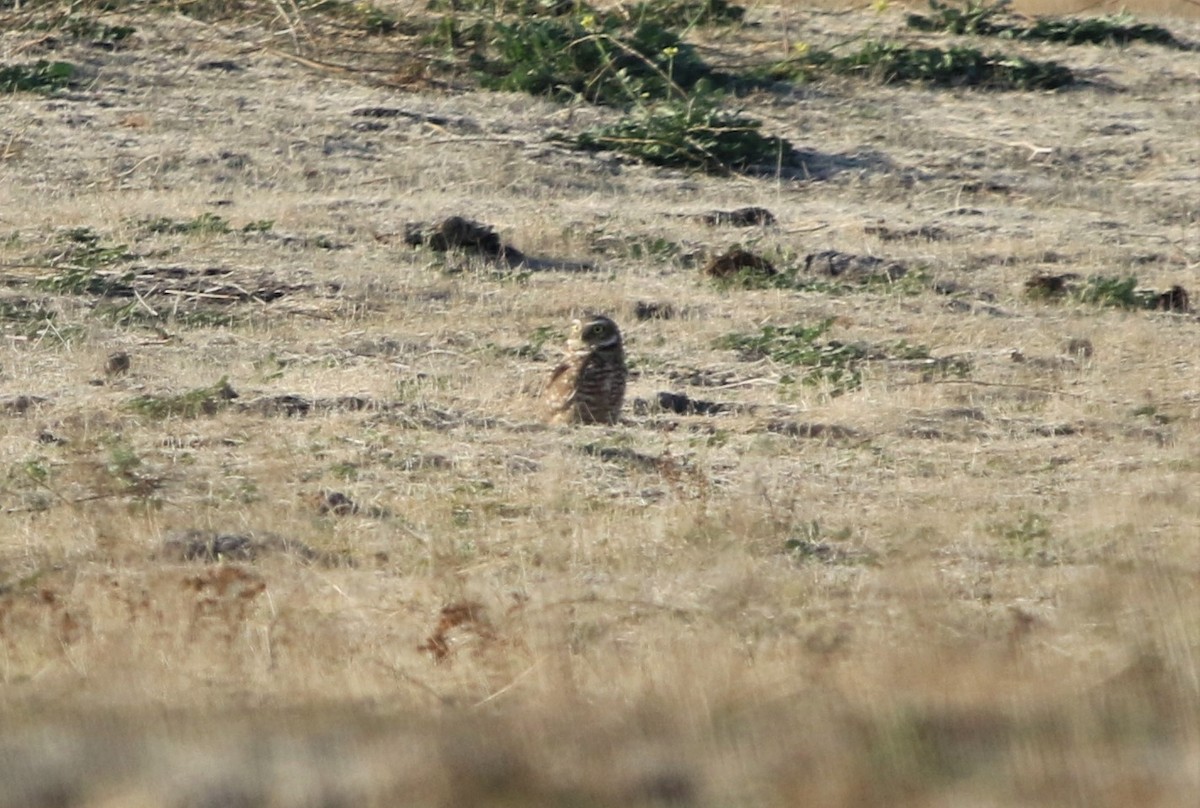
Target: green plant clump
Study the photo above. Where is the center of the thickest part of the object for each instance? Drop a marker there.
(204, 223)
(192, 404)
(893, 63)
(691, 135)
(980, 18)
(835, 363)
(368, 17)
(601, 58)
(1105, 290)
(40, 77)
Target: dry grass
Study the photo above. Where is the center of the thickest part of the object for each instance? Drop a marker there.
(974, 579)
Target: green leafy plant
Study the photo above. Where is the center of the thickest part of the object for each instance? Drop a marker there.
(1107, 290)
(601, 58)
(1029, 537)
(893, 63)
(41, 77)
(364, 16)
(78, 260)
(690, 134)
(192, 404)
(203, 223)
(983, 19)
(91, 30)
(25, 317)
(831, 362)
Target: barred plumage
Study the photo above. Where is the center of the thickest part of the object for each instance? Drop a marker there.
(589, 387)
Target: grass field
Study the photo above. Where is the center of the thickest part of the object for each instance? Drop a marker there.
(933, 537)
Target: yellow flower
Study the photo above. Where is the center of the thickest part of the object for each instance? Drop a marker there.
(880, 6)
(588, 21)
(671, 52)
(801, 48)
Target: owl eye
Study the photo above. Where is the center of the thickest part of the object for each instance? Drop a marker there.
(598, 329)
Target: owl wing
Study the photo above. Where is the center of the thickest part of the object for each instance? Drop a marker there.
(561, 389)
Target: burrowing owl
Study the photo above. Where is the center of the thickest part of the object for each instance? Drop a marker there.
(589, 387)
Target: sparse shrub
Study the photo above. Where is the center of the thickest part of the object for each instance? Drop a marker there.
(78, 258)
(1029, 537)
(41, 77)
(525, 8)
(972, 17)
(192, 404)
(1106, 290)
(894, 63)
(364, 16)
(23, 317)
(982, 19)
(835, 363)
(81, 246)
(601, 58)
(96, 33)
(690, 134)
(203, 223)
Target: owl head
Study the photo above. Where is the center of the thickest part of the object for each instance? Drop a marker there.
(594, 332)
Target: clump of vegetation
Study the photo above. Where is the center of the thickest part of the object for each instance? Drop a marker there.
(990, 19)
(633, 58)
(204, 223)
(601, 58)
(79, 257)
(364, 16)
(25, 317)
(689, 134)
(94, 32)
(1107, 290)
(1123, 293)
(894, 63)
(1029, 537)
(192, 404)
(41, 77)
(831, 362)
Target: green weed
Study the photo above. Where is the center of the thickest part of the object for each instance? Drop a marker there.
(78, 259)
(192, 404)
(981, 18)
(524, 8)
(366, 17)
(94, 32)
(81, 246)
(830, 362)
(25, 317)
(1029, 537)
(40, 77)
(689, 134)
(1106, 290)
(205, 223)
(893, 63)
(601, 58)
